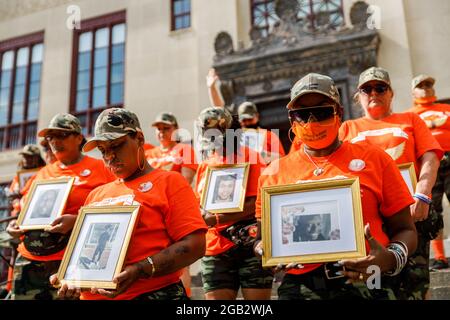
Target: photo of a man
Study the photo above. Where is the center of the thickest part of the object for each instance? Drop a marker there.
(314, 227)
(224, 189)
(97, 246)
(44, 205)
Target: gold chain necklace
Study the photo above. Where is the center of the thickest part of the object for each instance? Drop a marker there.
(319, 170)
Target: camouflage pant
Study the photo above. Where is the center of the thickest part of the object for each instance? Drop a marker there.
(414, 280)
(314, 285)
(237, 267)
(442, 184)
(31, 279)
(173, 291)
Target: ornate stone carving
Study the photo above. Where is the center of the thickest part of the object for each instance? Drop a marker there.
(223, 44)
(359, 15)
(287, 10)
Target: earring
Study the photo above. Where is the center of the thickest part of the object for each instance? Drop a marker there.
(139, 161)
(289, 135)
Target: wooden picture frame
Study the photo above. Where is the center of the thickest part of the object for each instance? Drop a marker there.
(24, 175)
(312, 222)
(98, 246)
(225, 188)
(45, 201)
(408, 172)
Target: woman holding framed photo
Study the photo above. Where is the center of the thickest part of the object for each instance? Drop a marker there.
(406, 138)
(41, 251)
(315, 113)
(229, 263)
(169, 233)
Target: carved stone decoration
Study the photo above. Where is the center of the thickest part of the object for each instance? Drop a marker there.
(255, 35)
(287, 10)
(267, 86)
(359, 15)
(223, 44)
(323, 20)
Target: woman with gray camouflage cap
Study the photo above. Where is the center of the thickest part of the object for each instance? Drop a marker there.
(41, 251)
(406, 138)
(315, 113)
(228, 265)
(169, 233)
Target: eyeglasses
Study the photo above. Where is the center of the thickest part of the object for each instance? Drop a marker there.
(58, 135)
(318, 113)
(379, 88)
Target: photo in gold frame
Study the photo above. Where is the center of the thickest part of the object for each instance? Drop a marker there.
(225, 186)
(408, 173)
(25, 175)
(312, 222)
(45, 202)
(98, 246)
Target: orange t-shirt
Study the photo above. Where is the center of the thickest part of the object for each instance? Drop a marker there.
(437, 119)
(295, 146)
(89, 173)
(181, 155)
(215, 242)
(404, 136)
(383, 190)
(169, 212)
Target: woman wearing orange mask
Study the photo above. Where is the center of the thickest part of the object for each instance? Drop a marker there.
(315, 113)
(405, 137)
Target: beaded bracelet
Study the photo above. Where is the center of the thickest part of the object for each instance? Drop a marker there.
(400, 252)
(422, 197)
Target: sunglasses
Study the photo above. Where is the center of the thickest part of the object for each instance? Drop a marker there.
(319, 113)
(379, 88)
(58, 135)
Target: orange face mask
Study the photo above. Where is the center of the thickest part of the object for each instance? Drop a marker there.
(317, 135)
(426, 100)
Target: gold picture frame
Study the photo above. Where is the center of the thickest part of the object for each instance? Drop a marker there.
(235, 177)
(103, 229)
(408, 172)
(24, 175)
(292, 213)
(45, 201)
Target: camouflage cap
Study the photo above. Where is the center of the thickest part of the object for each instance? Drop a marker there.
(421, 78)
(314, 83)
(247, 110)
(165, 118)
(63, 122)
(30, 150)
(374, 74)
(112, 124)
(215, 118)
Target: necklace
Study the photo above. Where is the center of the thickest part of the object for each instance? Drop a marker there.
(319, 170)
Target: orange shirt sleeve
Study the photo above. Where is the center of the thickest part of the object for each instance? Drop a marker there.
(188, 155)
(184, 215)
(425, 141)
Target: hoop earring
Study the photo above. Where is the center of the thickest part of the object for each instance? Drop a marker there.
(289, 135)
(138, 159)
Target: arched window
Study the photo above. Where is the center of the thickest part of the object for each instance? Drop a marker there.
(311, 13)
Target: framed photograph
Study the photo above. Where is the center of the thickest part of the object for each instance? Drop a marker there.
(254, 139)
(98, 246)
(225, 187)
(408, 173)
(44, 202)
(25, 175)
(312, 222)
